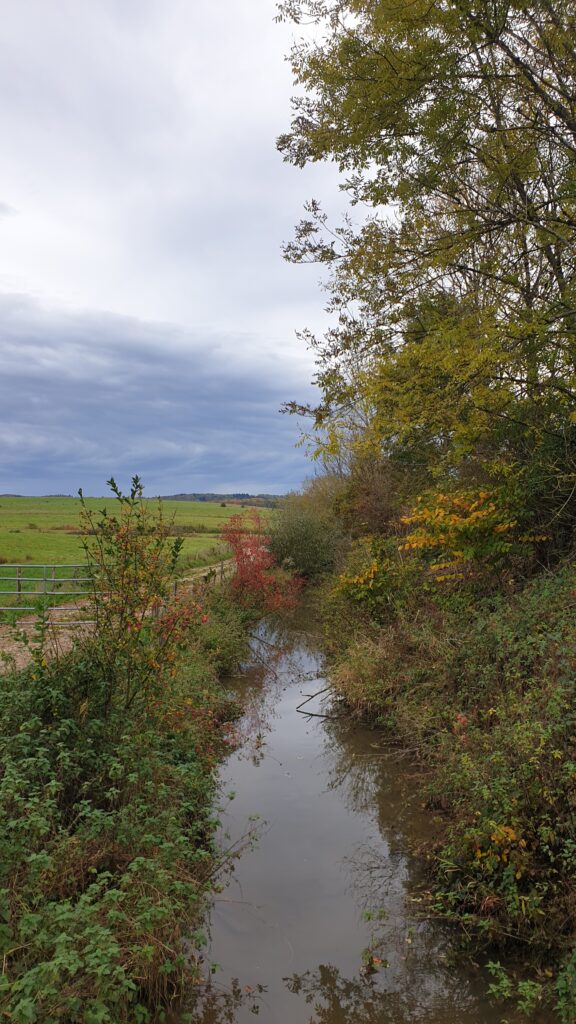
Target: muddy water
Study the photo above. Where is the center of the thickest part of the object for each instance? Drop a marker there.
(321, 920)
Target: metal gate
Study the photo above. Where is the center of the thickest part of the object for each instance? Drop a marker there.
(24, 587)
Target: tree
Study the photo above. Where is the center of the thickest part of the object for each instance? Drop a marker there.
(455, 300)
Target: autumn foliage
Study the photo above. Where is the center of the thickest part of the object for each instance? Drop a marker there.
(141, 624)
(108, 755)
(257, 581)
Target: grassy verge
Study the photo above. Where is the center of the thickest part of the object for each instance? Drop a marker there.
(107, 785)
(483, 690)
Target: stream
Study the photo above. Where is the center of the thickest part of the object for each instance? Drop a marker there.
(319, 920)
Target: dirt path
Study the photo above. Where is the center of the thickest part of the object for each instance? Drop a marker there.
(66, 624)
(16, 653)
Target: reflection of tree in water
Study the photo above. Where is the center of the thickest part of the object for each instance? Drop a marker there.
(406, 977)
(258, 690)
(213, 1005)
(377, 883)
(415, 951)
(373, 778)
(277, 654)
(338, 1000)
(353, 769)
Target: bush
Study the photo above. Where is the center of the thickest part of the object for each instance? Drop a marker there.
(302, 542)
(106, 850)
(377, 579)
(484, 691)
(256, 583)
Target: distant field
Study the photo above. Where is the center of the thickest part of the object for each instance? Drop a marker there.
(47, 530)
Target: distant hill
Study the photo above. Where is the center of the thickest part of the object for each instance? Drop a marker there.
(258, 500)
(7, 495)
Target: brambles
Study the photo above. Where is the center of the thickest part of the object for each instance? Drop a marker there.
(107, 775)
(484, 690)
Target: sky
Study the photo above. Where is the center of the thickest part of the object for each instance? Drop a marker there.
(147, 318)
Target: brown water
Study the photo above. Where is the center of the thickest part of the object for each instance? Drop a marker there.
(332, 880)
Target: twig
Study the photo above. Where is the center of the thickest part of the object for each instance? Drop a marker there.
(311, 697)
(261, 640)
(392, 756)
(315, 714)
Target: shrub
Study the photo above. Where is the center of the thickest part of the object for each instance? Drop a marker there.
(465, 535)
(255, 581)
(301, 541)
(485, 692)
(139, 626)
(378, 578)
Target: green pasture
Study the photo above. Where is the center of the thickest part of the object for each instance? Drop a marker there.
(47, 530)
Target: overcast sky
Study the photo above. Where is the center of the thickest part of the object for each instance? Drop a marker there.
(147, 319)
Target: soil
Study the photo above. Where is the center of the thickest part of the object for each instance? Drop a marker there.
(18, 642)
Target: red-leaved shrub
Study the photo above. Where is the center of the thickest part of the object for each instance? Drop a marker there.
(254, 580)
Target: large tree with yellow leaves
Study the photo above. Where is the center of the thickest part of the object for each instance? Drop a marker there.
(454, 341)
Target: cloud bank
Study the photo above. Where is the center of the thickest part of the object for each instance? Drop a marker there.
(87, 396)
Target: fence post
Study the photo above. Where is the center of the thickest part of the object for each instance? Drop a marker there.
(19, 579)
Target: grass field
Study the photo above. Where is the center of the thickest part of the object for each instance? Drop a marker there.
(47, 530)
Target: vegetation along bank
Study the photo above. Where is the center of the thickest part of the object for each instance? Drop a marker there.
(107, 785)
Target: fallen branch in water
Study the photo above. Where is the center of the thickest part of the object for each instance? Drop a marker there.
(316, 714)
(311, 697)
(392, 756)
(261, 640)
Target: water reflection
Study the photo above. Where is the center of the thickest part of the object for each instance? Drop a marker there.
(219, 1006)
(275, 662)
(336, 999)
(321, 921)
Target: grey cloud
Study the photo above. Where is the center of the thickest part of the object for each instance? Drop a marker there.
(143, 160)
(89, 395)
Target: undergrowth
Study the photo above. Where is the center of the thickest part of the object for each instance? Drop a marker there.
(482, 687)
(107, 783)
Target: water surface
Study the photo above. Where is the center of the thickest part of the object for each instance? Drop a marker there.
(321, 921)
